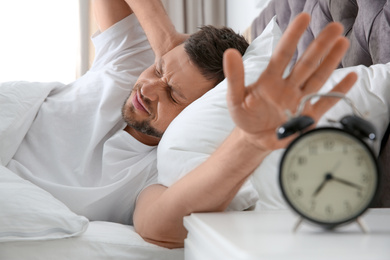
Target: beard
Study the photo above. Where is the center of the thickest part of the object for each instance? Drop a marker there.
(142, 126)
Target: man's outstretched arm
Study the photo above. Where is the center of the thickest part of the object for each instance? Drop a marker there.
(257, 110)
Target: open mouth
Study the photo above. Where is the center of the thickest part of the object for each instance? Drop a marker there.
(139, 103)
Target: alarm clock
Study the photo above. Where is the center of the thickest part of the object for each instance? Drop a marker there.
(329, 175)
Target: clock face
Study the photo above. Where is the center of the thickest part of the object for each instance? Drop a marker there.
(328, 176)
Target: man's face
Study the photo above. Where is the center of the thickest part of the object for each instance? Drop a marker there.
(162, 91)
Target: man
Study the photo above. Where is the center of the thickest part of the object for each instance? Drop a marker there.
(81, 148)
(257, 110)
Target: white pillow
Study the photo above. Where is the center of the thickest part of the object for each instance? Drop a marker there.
(370, 94)
(202, 126)
(30, 213)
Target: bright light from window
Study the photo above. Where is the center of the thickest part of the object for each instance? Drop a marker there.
(38, 40)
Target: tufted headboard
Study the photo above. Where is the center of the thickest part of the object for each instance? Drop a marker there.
(367, 26)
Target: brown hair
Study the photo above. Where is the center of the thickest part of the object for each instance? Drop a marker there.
(206, 47)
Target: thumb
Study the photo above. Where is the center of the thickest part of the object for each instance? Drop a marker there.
(233, 68)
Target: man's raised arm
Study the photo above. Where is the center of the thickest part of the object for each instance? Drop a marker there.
(158, 27)
(151, 14)
(109, 12)
(257, 110)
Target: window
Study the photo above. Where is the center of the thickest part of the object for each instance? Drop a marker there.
(39, 40)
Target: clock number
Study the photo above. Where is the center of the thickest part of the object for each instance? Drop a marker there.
(365, 178)
(298, 192)
(329, 210)
(359, 160)
(329, 144)
(293, 176)
(348, 206)
(302, 160)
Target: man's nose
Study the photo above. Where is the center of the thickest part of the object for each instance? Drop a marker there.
(152, 89)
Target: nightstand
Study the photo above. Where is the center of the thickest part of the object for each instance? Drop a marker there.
(269, 235)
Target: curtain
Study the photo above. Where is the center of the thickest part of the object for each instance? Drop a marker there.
(189, 15)
(87, 26)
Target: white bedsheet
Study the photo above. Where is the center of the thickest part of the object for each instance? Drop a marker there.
(101, 241)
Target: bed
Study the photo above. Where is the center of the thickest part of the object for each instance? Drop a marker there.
(34, 225)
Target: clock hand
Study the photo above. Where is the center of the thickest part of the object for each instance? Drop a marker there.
(335, 167)
(348, 183)
(327, 178)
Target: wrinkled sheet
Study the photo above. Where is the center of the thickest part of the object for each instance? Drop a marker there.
(19, 103)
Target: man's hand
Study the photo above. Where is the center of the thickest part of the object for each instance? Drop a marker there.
(260, 108)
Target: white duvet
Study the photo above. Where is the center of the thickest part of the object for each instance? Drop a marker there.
(34, 224)
(19, 103)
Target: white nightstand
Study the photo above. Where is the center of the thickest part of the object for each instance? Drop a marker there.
(269, 235)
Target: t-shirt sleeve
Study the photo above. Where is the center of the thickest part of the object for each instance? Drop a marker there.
(123, 38)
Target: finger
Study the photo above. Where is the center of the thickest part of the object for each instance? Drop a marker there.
(287, 45)
(325, 103)
(317, 49)
(233, 68)
(326, 68)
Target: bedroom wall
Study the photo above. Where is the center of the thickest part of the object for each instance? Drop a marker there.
(240, 13)
(33, 49)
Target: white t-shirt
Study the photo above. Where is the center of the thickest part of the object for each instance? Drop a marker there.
(76, 148)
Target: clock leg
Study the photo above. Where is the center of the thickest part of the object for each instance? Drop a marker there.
(296, 226)
(362, 225)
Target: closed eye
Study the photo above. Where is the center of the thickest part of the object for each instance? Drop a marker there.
(157, 72)
(170, 95)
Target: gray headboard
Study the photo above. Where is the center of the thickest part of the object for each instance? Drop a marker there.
(367, 26)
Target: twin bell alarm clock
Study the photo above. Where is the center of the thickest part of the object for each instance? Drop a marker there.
(329, 175)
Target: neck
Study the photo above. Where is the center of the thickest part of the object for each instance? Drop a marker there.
(143, 138)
